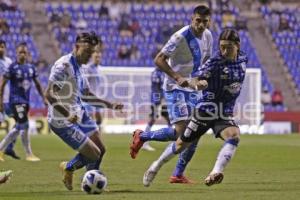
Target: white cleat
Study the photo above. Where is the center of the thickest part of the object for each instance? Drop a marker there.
(146, 146)
(214, 178)
(32, 158)
(150, 174)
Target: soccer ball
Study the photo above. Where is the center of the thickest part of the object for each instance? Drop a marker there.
(93, 182)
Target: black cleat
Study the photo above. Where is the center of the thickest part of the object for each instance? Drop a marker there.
(12, 154)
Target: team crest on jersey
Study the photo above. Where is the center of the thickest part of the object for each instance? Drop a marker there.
(226, 70)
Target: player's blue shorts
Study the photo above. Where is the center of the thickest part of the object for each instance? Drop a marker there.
(77, 134)
(180, 104)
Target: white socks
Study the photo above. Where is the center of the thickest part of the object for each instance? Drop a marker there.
(26, 142)
(13, 134)
(225, 155)
(167, 155)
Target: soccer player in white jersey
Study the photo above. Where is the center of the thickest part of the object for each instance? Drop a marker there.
(185, 51)
(92, 73)
(5, 62)
(67, 89)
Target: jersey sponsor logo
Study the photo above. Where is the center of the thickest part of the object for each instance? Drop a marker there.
(233, 88)
(26, 84)
(19, 73)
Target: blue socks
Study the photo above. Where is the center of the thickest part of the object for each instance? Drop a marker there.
(77, 162)
(164, 134)
(10, 147)
(184, 159)
(94, 165)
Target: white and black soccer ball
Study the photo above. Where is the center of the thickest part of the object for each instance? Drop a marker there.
(93, 182)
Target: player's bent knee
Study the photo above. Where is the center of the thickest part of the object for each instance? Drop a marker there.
(180, 146)
(233, 140)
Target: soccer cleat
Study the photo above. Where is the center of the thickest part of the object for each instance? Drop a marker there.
(149, 177)
(181, 180)
(2, 156)
(136, 144)
(67, 176)
(150, 174)
(32, 158)
(12, 154)
(214, 178)
(146, 146)
(5, 176)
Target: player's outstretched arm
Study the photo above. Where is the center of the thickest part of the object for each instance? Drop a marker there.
(40, 90)
(93, 100)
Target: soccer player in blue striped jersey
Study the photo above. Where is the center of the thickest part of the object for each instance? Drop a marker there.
(221, 79)
(20, 76)
(185, 51)
(157, 103)
(68, 119)
(5, 62)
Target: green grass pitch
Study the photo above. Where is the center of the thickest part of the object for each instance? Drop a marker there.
(265, 167)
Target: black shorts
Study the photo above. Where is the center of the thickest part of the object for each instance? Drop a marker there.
(163, 112)
(20, 112)
(200, 123)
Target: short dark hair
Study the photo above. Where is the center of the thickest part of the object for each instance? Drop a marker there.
(3, 42)
(230, 34)
(202, 10)
(23, 44)
(89, 37)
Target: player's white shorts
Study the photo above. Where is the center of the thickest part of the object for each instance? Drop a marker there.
(77, 134)
(180, 104)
